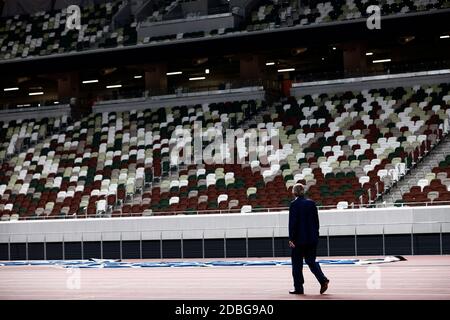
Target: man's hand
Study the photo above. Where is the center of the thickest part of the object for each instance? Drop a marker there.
(291, 244)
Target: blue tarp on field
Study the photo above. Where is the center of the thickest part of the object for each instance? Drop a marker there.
(97, 263)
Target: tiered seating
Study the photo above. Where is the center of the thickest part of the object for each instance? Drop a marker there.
(437, 186)
(287, 13)
(431, 189)
(351, 147)
(16, 175)
(347, 148)
(123, 36)
(15, 136)
(161, 8)
(434, 185)
(104, 158)
(45, 33)
(225, 187)
(196, 186)
(278, 13)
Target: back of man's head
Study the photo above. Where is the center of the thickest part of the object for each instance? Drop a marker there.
(298, 190)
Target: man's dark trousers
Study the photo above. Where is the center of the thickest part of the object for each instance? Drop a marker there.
(307, 252)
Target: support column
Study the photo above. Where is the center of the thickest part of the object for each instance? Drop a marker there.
(156, 79)
(354, 56)
(251, 67)
(68, 86)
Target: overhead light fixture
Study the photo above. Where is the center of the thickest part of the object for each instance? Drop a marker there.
(446, 36)
(90, 81)
(23, 105)
(197, 78)
(11, 89)
(407, 39)
(207, 71)
(286, 70)
(297, 51)
(138, 77)
(334, 48)
(108, 71)
(174, 73)
(369, 53)
(56, 102)
(199, 61)
(381, 60)
(114, 86)
(40, 93)
(270, 63)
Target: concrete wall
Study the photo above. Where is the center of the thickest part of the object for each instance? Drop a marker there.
(123, 16)
(371, 82)
(255, 225)
(195, 6)
(35, 113)
(204, 23)
(256, 93)
(141, 9)
(245, 6)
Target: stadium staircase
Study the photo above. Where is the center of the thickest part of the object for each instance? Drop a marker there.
(417, 172)
(272, 110)
(173, 172)
(23, 145)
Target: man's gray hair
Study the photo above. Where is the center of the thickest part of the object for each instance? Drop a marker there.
(298, 190)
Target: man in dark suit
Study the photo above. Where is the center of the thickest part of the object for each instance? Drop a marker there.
(303, 238)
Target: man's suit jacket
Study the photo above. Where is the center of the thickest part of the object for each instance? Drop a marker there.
(303, 222)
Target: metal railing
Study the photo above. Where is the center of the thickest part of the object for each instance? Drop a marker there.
(37, 104)
(303, 76)
(226, 85)
(231, 211)
(273, 232)
(392, 68)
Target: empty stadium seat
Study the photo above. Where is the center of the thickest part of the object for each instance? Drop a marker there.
(275, 14)
(24, 36)
(347, 149)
